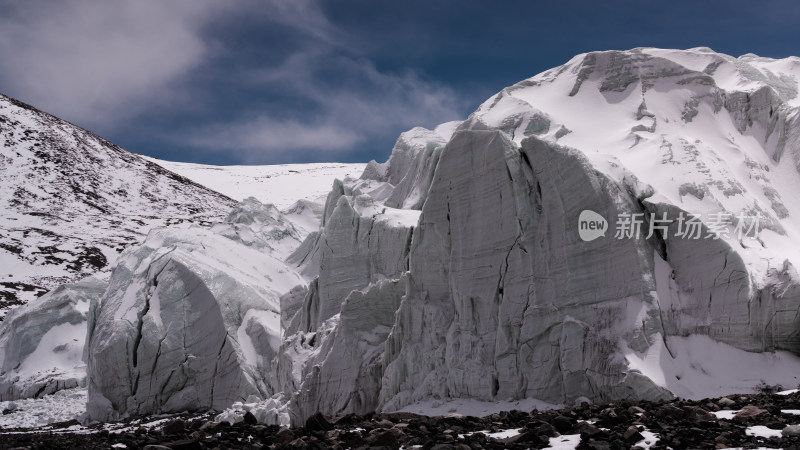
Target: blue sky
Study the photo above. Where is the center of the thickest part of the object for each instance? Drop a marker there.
(263, 82)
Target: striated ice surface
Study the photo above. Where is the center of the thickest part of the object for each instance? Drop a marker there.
(501, 299)
(190, 321)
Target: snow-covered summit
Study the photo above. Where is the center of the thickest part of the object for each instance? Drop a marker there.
(700, 130)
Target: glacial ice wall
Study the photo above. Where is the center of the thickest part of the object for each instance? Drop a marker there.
(502, 299)
(190, 321)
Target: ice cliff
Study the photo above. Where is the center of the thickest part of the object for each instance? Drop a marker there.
(502, 299)
(191, 320)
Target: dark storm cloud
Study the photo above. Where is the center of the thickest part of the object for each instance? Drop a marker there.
(350, 101)
(105, 65)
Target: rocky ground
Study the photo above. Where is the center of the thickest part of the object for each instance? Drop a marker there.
(764, 420)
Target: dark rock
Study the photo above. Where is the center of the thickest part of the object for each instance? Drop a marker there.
(711, 406)
(284, 435)
(318, 422)
(749, 413)
(563, 424)
(669, 411)
(250, 419)
(186, 444)
(348, 420)
(609, 418)
(632, 435)
(389, 438)
(587, 429)
(634, 410)
(174, 427)
(725, 401)
(776, 425)
(352, 439)
(698, 414)
(528, 437)
(298, 443)
(792, 431)
(384, 424)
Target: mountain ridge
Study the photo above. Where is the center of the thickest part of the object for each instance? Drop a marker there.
(71, 199)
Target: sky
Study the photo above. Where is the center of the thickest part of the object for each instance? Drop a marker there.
(292, 81)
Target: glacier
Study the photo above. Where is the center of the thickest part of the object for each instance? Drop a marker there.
(42, 343)
(503, 300)
(190, 321)
(456, 270)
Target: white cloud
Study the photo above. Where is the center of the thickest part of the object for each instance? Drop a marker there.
(99, 62)
(105, 65)
(302, 15)
(361, 103)
(252, 138)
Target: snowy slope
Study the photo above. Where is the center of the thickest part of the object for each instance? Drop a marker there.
(70, 201)
(706, 131)
(280, 184)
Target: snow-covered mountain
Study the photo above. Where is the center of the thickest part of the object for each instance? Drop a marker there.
(622, 226)
(71, 201)
(280, 184)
